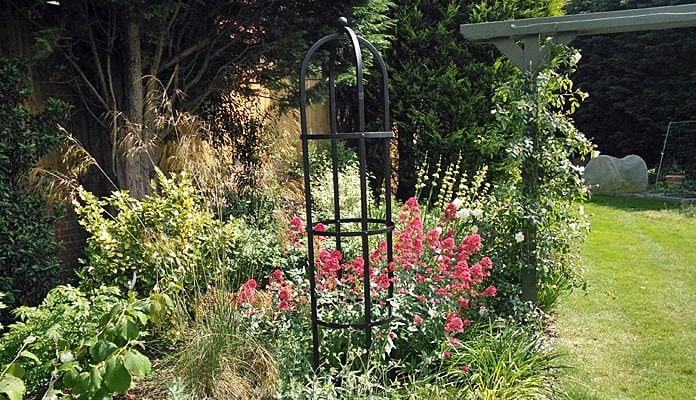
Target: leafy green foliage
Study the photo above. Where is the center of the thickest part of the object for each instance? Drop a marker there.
(29, 266)
(11, 384)
(542, 185)
(532, 140)
(82, 343)
(501, 361)
(170, 243)
(442, 85)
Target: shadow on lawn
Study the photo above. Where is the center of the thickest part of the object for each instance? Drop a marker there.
(632, 203)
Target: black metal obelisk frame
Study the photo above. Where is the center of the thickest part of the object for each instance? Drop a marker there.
(342, 227)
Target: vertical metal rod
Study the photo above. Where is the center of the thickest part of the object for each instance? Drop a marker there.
(308, 216)
(333, 122)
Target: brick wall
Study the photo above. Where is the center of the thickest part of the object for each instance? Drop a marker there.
(73, 237)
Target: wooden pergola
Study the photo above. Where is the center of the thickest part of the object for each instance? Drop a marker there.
(527, 43)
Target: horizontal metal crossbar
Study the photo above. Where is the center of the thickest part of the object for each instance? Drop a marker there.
(348, 135)
(388, 227)
(357, 325)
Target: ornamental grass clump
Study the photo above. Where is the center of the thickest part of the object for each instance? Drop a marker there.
(500, 361)
(221, 355)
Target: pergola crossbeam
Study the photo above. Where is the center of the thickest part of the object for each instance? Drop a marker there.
(505, 35)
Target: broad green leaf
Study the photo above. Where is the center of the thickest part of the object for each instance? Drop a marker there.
(95, 378)
(16, 370)
(137, 364)
(116, 377)
(12, 386)
(128, 330)
(102, 350)
(68, 366)
(81, 383)
(141, 316)
(112, 314)
(69, 377)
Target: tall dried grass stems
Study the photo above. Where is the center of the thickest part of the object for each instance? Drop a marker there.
(177, 141)
(57, 174)
(220, 356)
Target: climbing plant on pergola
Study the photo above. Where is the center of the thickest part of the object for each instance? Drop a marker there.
(528, 43)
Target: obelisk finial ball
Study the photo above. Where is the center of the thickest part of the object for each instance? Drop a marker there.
(341, 22)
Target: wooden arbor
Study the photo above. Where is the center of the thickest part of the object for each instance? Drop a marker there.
(527, 44)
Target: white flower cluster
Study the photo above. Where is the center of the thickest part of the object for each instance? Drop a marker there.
(465, 213)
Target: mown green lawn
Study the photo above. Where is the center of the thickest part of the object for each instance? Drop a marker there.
(633, 335)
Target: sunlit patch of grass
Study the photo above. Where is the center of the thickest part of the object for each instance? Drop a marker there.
(631, 336)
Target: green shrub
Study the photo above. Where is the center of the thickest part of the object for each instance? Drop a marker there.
(85, 343)
(537, 143)
(168, 241)
(496, 212)
(532, 205)
(29, 265)
(441, 85)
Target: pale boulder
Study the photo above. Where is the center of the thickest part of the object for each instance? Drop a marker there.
(607, 174)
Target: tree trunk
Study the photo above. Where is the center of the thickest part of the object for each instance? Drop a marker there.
(136, 147)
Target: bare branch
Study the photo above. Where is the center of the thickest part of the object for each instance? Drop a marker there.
(95, 55)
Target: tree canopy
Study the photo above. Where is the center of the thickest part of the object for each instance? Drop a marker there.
(125, 56)
(442, 86)
(638, 82)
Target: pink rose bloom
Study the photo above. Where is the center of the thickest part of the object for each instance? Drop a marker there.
(296, 225)
(284, 294)
(417, 320)
(284, 305)
(277, 276)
